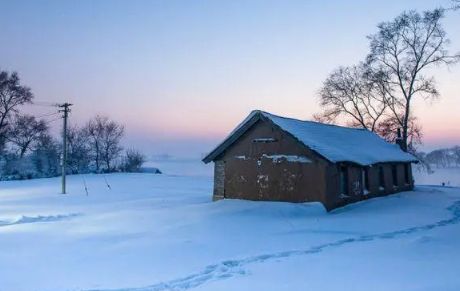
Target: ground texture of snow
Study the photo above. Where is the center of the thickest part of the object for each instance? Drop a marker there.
(160, 232)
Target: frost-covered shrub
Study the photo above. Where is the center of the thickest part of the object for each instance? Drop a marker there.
(18, 169)
(133, 161)
(42, 162)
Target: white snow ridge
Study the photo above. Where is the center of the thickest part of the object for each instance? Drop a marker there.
(39, 218)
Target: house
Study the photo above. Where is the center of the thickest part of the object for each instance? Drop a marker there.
(268, 157)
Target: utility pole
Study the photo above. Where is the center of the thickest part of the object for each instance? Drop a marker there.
(66, 111)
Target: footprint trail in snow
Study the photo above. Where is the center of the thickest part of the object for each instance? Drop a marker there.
(231, 268)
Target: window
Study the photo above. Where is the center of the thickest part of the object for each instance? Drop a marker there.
(406, 174)
(343, 181)
(394, 174)
(365, 180)
(381, 178)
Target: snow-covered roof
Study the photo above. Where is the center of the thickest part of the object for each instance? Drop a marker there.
(334, 143)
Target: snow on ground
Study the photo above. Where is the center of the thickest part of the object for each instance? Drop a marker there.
(161, 232)
(449, 176)
(183, 167)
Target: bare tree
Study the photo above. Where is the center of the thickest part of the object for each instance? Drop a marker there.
(105, 141)
(388, 129)
(111, 143)
(354, 93)
(437, 157)
(402, 50)
(95, 128)
(78, 152)
(456, 153)
(133, 160)
(24, 129)
(358, 94)
(12, 95)
(455, 5)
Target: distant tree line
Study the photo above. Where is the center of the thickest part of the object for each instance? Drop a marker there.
(443, 158)
(29, 150)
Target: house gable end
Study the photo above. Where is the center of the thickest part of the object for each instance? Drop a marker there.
(265, 139)
(232, 138)
(247, 125)
(296, 140)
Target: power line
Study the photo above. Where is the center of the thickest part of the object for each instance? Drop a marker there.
(47, 114)
(44, 103)
(49, 121)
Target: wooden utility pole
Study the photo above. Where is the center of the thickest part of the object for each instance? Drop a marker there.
(66, 111)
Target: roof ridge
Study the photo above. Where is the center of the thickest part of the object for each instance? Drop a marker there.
(333, 142)
(311, 121)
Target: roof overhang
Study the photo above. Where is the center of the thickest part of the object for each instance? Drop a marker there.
(258, 115)
(233, 136)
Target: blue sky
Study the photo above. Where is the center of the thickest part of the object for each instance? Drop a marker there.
(181, 74)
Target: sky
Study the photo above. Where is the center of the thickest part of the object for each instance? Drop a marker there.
(181, 74)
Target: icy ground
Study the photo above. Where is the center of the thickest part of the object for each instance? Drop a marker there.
(160, 232)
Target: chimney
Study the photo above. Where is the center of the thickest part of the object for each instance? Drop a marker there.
(399, 141)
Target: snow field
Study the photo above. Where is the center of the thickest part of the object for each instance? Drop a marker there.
(161, 232)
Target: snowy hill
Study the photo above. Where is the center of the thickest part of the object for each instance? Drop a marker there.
(160, 232)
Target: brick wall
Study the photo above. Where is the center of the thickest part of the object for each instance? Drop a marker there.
(219, 179)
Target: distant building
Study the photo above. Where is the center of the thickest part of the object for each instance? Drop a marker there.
(268, 157)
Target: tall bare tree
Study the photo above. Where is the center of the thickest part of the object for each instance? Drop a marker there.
(105, 141)
(24, 130)
(12, 95)
(354, 93)
(111, 143)
(402, 50)
(95, 128)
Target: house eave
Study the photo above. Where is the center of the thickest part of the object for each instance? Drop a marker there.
(231, 139)
(375, 163)
(291, 136)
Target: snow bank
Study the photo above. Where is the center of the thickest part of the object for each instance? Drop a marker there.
(39, 218)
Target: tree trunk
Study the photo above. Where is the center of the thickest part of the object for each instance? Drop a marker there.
(406, 125)
(2, 120)
(22, 153)
(24, 150)
(97, 162)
